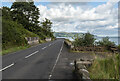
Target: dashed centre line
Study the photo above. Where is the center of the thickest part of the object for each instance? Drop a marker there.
(32, 54)
(44, 47)
(7, 67)
(49, 44)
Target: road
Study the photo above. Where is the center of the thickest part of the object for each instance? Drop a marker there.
(51, 60)
(37, 62)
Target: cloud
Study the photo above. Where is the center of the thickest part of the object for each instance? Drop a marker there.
(78, 17)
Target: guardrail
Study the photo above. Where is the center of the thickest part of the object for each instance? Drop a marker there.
(32, 40)
(48, 39)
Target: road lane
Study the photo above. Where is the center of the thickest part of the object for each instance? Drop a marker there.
(16, 56)
(37, 66)
(51, 73)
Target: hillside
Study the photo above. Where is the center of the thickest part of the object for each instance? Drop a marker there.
(14, 34)
(16, 25)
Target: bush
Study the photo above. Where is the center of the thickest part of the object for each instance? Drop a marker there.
(119, 47)
(86, 39)
(106, 43)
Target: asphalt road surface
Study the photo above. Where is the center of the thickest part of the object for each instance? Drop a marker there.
(37, 62)
(51, 60)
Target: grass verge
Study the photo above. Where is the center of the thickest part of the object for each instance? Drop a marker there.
(17, 48)
(14, 49)
(105, 68)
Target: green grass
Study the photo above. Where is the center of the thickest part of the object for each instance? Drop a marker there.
(14, 34)
(42, 41)
(14, 49)
(107, 68)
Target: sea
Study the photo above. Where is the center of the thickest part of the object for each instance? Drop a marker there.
(116, 40)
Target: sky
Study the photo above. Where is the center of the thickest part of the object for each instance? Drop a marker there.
(99, 18)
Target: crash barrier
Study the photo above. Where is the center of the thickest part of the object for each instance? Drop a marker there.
(81, 66)
(32, 40)
(48, 39)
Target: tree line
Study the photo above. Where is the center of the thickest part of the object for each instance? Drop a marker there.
(88, 39)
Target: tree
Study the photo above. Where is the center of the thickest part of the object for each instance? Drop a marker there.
(89, 39)
(106, 42)
(86, 39)
(26, 13)
(119, 47)
(6, 14)
(47, 24)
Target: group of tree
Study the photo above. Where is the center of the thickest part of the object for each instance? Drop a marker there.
(88, 39)
(23, 16)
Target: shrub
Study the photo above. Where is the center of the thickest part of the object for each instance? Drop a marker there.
(119, 47)
(106, 43)
(86, 39)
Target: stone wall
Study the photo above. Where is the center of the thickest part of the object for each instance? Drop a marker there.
(94, 48)
(81, 66)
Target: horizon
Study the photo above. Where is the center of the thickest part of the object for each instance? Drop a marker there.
(86, 32)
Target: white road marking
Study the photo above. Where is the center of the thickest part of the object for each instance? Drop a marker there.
(21, 50)
(44, 47)
(32, 54)
(7, 67)
(49, 44)
(56, 61)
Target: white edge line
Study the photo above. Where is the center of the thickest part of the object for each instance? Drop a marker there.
(32, 54)
(7, 67)
(56, 61)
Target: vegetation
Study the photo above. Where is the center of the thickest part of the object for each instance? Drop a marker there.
(26, 13)
(13, 49)
(14, 34)
(119, 47)
(86, 39)
(106, 42)
(46, 24)
(20, 21)
(106, 68)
